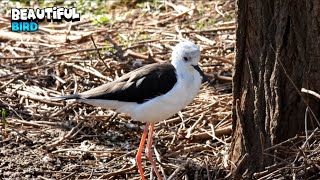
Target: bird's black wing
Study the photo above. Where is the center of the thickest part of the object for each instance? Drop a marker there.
(138, 86)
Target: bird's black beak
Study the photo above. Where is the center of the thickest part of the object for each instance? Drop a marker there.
(204, 77)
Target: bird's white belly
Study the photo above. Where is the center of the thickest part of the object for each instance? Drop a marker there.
(166, 105)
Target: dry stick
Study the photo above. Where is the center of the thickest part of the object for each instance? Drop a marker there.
(198, 147)
(27, 71)
(12, 80)
(72, 52)
(120, 157)
(57, 77)
(22, 135)
(90, 71)
(122, 171)
(141, 56)
(240, 164)
(23, 50)
(158, 158)
(170, 18)
(226, 78)
(47, 172)
(55, 54)
(219, 132)
(75, 84)
(43, 178)
(309, 137)
(64, 31)
(143, 42)
(269, 176)
(150, 51)
(306, 123)
(71, 132)
(69, 176)
(189, 130)
(182, 123)
(310, 92)
(284, 142)
(207, 169)
(308, 109)
(176, 8)
(96, 152)
(62, 26)
(202, 38)
(210, 30)
(39, 44)
(268, 170)
(5, 36)
(77, 132)
(91, 174)
(179, 33)
(214, 135)
(48, 122)
(204, 135)
(217, 9)
(30, 123)
(283, 160)
(69, 30)
(222, 59)
(62, 109)
(37, 98)
(176, 172)
(95, 46)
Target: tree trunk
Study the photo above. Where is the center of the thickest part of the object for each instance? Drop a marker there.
(278, 53)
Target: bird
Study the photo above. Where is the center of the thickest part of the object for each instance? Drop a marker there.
(151, 93)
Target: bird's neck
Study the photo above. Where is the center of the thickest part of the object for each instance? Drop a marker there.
(182, 71)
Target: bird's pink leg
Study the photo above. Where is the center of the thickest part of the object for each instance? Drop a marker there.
(140, 149)
(149, 152)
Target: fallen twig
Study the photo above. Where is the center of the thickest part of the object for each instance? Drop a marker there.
(71, 132)
(311, 92)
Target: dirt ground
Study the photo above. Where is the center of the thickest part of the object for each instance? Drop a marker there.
(41, 139)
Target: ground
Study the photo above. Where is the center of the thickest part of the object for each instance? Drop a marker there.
(41, 139)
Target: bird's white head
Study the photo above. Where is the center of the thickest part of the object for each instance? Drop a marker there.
(185, 55)
(185, 58)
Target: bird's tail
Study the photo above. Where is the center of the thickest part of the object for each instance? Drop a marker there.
(69, 97)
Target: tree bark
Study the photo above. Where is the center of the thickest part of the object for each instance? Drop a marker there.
(277, 54)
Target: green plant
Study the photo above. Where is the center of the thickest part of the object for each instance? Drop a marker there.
(4, 120)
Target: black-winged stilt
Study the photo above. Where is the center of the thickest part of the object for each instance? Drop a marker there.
(151, 93)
